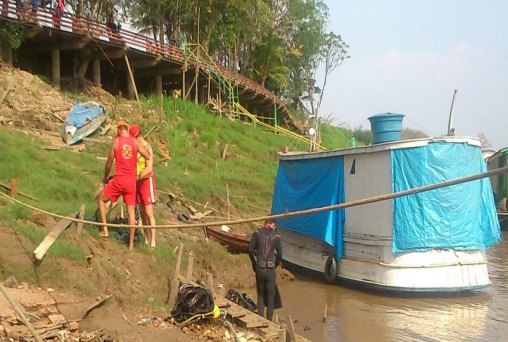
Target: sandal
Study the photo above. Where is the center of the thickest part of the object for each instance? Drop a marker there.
(104, 236)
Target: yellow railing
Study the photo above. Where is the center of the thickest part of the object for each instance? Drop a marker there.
(277, 129)
(238, 108)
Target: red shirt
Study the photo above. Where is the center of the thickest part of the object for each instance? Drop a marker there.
(125, 155)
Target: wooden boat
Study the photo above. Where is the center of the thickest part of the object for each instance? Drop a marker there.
(500, 184)
(235, 242)
(82, 120)
(432, 241)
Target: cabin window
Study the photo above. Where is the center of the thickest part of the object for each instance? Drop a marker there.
(353, 167)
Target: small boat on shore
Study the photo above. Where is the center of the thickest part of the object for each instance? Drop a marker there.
(432, 241)
(500, 184)
(235, 242)
(83, 119)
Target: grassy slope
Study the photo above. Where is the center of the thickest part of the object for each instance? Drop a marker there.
(62, 180)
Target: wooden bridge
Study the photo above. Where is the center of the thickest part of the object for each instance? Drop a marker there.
(62, 47)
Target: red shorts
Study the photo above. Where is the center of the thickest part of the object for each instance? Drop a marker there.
(125, 186)
(145, 191)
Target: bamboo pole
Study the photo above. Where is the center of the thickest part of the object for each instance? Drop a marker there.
(131, 75)
(294, 213)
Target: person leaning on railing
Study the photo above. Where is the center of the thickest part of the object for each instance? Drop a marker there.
(57, 13)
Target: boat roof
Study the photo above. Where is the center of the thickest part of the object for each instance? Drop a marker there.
(393, 145)
(498, 154)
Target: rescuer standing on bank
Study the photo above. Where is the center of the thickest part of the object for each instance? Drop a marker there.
(265, 253)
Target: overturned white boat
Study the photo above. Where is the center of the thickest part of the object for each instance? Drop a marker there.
(424, 242)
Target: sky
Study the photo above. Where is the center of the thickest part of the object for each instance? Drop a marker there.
(409, 56)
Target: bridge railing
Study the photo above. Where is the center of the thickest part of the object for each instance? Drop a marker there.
(79, 25)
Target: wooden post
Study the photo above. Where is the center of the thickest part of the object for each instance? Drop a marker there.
(284, 328)
(96, 71)
(158, 84)
(189, 267)
(184, 71)
(282, 335)
(291, 329)
(161, 113)
(79, 226)
(198, 52)
(210, 282)
(14, 188)
(209, 85)
(175, 282)
(131, 75)
(55, 67)
(325, 312)
(227, 194)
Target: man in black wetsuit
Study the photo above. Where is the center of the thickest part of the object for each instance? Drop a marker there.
(266, 254)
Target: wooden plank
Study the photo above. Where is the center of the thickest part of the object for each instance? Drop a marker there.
(251, 319)
(258, 324)
(189, 266)
(175, 282)
(43, 247)
(105, 129)
(291, 329)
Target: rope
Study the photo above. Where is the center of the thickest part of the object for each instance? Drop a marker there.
(286, 214)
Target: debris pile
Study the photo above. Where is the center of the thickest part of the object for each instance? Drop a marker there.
(219, 330)
(24, 311)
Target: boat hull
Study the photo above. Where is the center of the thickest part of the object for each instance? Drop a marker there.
(430, 271)
(72, 136)
(234, 242)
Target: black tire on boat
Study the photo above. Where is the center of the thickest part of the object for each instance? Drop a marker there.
(331, 269)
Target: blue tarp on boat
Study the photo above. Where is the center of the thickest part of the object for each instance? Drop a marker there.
(311, 183)
(461, 216)
(82, 113)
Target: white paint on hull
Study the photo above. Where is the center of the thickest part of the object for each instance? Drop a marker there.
(418, 271)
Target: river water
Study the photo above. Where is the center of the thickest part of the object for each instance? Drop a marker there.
(359, 315)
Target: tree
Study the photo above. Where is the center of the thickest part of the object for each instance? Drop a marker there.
(409, 133)
(11, 37)
(485, 141)
(267, 62)
(332, 53)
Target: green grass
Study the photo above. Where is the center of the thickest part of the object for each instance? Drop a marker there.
(63, 180)
(21, 274)
(61, 248)
(196, 141)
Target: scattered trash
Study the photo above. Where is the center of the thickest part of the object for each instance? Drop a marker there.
(144, 321)
(241, 299)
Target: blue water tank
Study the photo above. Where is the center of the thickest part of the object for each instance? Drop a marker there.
(386, 127)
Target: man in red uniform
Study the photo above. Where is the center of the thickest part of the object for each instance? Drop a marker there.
(145, 187)
(123, 151)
